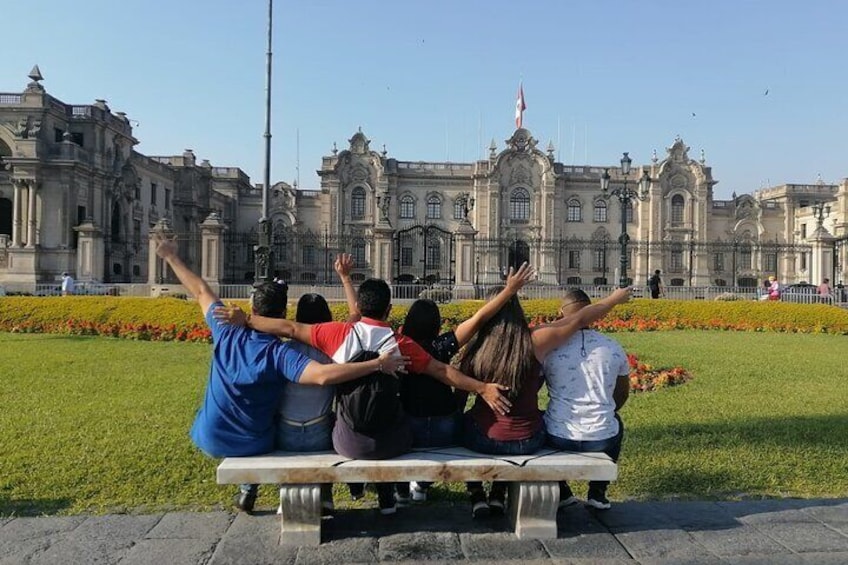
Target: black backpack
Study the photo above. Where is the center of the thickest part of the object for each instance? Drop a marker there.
(370, 404)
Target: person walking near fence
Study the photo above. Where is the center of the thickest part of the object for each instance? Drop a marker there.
(655, 285)
(588, 380)
(67, 284)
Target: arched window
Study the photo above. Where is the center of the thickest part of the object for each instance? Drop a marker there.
(358, 253)
(677, 204)
(575, 211)
(357, 203)
(519, 205)
(407, 207)
(434, 207)
(458, 210)
(600, 214)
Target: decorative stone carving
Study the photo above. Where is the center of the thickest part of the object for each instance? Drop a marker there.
(359, 144)
(301, 517)
(533, 509)
(34, 129)
(521, 140)
(520, 175)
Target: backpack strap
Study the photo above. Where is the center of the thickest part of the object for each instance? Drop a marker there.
(379, 345)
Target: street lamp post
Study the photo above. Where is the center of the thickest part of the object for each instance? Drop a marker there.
(820, 212)
(625, 196)
(263, 256)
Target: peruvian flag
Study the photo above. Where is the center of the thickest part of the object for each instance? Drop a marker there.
(520, 106)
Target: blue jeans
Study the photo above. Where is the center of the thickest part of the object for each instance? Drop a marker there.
(317, 437)
(610, 446)
(432, 431)
(475, 440)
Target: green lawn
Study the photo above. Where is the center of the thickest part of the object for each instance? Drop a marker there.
(95, 424)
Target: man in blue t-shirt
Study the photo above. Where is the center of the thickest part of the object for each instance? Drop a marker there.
(248, 369)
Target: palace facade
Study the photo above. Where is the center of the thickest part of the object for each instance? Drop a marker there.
(75, 196)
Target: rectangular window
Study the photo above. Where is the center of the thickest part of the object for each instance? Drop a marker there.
(434, 254)
(718, 262)
(803, 231)
(745, 257)
(573, 213)
(407, 208)
(137, 233)
(600, 263)
(574, 259)
(458, 210)
(600, 212)
(628, 213)
(78, 138)
(57, 135)
(167, 199)
(676, 261)
(405, 256)
(771, 262)
(308, 254)
(803, 261)
(153, 191)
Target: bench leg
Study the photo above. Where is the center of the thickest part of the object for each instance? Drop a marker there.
(301, 520)
(533, 509)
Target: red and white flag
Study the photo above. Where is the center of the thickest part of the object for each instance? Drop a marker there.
(520, 106)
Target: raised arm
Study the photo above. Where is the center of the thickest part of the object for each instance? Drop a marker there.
(389, 362)
(490, 392)
(343, 266)
(550, 336)
(514, 282)
(166, 248)
(279, 327)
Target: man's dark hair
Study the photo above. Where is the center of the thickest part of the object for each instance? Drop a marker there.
(374, 298)
(657, 272)
(270, 298)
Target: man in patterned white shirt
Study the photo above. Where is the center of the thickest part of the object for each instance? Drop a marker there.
(588, 382)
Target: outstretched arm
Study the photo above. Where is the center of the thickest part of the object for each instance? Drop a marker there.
(514, 282)
(490, 392)
(389, 362)
(343, 266)
(167, 249)
(279, 327)
(550, 336)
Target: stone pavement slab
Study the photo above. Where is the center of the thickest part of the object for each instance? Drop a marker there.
(253, 540)
(661, 543)
(420, 545)
(735, 541)
(832, 513)
(805, 538)
(353, 550)
(501, 547)
(191, 525)
(164, 551)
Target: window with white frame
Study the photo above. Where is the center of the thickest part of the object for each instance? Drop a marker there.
(458, 210)
(407, 207)
(574, 259)
(600, 213)
(357, 203)
(628, 212)
(434, 207)
(574, 212)
(519, 205)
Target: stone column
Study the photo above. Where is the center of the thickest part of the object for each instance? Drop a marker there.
(156, 268)
(17, 221)
(212, 253)
(466, 261)
(821, 260)
(90, 251)
(31, 215)
(382, 255)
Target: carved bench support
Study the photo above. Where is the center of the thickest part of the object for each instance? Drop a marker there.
(301, 520)
(533, 509)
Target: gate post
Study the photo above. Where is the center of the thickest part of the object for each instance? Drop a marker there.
(382, 254)
(465, 261)
(212, 251)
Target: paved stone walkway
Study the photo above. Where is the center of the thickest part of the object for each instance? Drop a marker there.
(769, 532)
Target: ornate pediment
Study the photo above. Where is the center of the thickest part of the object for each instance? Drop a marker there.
(678, 152)
(359, 144)
(522, 141)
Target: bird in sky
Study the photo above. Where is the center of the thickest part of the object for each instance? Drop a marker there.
(766, 92)
(693, 114)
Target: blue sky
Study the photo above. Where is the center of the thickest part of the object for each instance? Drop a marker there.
(422, 77)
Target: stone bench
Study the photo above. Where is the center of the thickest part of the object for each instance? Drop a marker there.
(533, 491)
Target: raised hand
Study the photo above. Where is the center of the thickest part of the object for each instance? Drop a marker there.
(165, 246)
(343, 264)
(517, 279)
(392, 362)
(620, 295)
(493, 397)
(232, 315)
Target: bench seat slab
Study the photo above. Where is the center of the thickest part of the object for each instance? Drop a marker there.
(301, 519)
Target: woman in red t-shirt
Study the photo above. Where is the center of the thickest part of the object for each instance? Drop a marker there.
(508, 352)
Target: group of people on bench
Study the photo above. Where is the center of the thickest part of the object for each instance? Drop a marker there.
(265, 393)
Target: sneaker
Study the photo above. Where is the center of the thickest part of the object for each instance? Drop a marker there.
(496, 502)
(479, 506)
(386, 500)
(566, 496)
(246, 499)
(598, 500)
(419, 493)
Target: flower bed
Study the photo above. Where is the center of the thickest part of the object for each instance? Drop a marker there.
(645, 378)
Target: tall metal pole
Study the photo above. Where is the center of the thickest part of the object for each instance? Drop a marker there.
(263, 254)
(623, 239)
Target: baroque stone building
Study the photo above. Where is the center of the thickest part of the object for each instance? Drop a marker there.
(75, 196)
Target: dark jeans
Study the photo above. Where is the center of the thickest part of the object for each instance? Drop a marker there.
(475, 440)
(432, 431)
(610, 446)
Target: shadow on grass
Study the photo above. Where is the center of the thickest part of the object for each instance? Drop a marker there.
(6, 337)
(33, 507)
